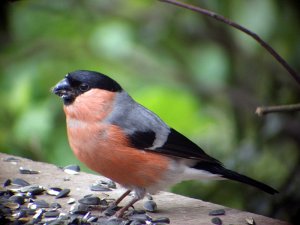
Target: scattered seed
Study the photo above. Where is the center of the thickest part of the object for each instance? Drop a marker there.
(217, 212)
(33, 189)
(54, 213)
(55, 205)
(93, 200)
(39, 204)
(250, 220)
(79, 209)
(111, 210)
(150, 206)
(99, 187)
(27, 171)
(72, 169)
(7, 182)
(216, 220)
(162, 220)
(140, 217)
(71, 201)
(54, 191)
(109, 183)
(11, 159)
(63, 193)
(20, 182)
(20, 214)
(149, 197)
(17, 199)
(39, 214)
(92, 219)
(12, 205)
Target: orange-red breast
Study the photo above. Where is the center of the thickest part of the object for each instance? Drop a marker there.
(122, 140)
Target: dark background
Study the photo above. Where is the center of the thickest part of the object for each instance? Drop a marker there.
(202, 77)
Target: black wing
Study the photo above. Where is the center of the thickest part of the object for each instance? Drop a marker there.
(176, 145)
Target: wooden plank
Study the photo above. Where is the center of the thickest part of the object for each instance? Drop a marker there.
(181, 210)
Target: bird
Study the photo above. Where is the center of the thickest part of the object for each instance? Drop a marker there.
(120, 139)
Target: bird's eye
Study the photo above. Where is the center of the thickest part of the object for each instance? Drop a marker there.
(84, 87)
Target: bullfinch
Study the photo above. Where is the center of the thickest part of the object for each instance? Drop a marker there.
(119, 138)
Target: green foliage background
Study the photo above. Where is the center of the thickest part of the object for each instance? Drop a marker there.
(202, 77)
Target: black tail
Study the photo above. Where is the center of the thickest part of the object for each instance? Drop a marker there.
(229, 174)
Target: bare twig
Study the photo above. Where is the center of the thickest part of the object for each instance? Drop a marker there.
(263, 110)
(291, 71)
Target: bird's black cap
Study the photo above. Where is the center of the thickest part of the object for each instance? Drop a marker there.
(93, 80)
(81, 81)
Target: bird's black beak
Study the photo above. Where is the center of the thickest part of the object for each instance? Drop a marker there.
(64, 90)
(62, 87)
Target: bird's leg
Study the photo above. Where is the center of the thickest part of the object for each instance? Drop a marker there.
(121, 197)
(121, 211)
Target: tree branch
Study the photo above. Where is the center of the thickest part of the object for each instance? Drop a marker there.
(290, 70)
(263, 110)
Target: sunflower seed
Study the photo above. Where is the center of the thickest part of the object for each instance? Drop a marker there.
(6, 183)
(72, 169)
(11, 159)
(55, 205)
(20, 182)
(63, 193)
(39, 214)
(216, 220)
(161, 220)
(217, 212)
(54, 191)
(99, 187)
(140, 217)
(111, 210)
(93, 200)
(250, 220)
(33, 189)
(71, 201)
(12, 205)
(17, 199)
(27, 171)
(38, 204)
(92, 219)
(80, 209)
(51, 214)
(150, 206)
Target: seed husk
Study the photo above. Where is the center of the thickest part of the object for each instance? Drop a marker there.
(99, 187)
(80, 209)
(11, 159)
(54, 191)
(27, 171)
(33, 189)
(92, 200)
(39, 214)
(55, 205)
(217, 212)
(250, 220)
(140, 217)
(162, 220)
(71, 201)
(12, 205)
(216, 220)
(7, 182)
(54, 213)
(63, 193)
(150, 206)
(111, 210)
(20, 182)
(17, 199)
(39, 204)
(72, 169)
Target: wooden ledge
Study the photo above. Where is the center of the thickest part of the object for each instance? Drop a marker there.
(181, 210)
